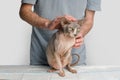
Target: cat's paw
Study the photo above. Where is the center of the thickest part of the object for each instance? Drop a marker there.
(73, 71)
(62, 74)
(51, 70)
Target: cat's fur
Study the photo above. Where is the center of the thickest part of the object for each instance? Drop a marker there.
(59, 47)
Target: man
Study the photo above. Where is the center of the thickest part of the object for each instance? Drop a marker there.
(45, 18)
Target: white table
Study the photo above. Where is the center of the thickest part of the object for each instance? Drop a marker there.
(40, 73)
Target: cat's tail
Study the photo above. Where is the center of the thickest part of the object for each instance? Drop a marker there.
(78, 58)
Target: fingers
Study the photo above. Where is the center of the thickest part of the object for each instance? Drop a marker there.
(68, 17)
(77, 45)
(55, 23)
(79, 41)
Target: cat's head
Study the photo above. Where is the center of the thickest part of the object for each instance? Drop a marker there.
(71, 28)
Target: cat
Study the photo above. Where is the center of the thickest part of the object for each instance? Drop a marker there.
(59, 47)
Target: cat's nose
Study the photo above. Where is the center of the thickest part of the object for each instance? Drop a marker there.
(75, 34)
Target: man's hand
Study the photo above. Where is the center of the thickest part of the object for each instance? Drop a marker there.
(79, 41)
(54, 24)
(85, 28)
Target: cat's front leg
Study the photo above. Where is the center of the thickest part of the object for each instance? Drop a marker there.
(58, 63)
(61, 72)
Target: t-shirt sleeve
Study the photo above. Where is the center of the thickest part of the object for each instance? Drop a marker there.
(94, 5)
(29, 1)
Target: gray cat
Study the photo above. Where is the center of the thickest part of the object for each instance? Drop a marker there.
(59, 47)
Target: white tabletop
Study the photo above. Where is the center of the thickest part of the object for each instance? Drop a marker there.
(40, 73)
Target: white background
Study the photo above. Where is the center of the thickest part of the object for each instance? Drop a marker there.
(102, 43)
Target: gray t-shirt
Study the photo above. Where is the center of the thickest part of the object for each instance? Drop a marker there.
(51, 9)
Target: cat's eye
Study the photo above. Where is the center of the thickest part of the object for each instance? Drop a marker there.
(78, 29)
(70, 29)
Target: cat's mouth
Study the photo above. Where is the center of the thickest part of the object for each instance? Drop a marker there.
(75, 35)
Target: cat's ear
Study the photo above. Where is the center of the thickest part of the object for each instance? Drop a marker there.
(80, 22)
(64, 21)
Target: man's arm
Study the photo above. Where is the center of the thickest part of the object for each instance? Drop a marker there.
(31, 17)
(85, 28)
(88, 22)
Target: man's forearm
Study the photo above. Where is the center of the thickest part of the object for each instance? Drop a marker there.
(87, 22)
(31, 17)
